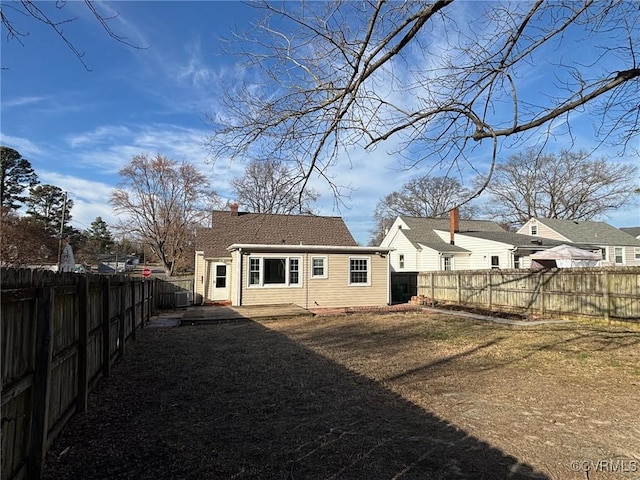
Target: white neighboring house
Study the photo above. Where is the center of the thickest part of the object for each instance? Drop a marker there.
(618, 248)
(428, 244)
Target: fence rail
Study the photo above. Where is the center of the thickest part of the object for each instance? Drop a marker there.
(595, 293)
(60, 334)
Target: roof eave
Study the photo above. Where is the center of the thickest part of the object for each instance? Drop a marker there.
(307, 248)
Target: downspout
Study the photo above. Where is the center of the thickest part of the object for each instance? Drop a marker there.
(239, 282)
(305, 279)
(389, 299)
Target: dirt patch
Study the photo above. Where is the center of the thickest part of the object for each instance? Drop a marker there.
(405, 395)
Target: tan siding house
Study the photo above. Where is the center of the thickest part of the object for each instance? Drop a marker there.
(310, 276)
(307, 260)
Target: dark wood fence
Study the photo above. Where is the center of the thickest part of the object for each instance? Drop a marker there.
(592, 293)
(60, 334)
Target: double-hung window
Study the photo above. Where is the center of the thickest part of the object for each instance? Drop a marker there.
(359, 271)
(618, 253)
(274, 271)
(318, 267)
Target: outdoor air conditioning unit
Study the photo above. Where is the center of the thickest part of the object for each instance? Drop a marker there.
(183, 299)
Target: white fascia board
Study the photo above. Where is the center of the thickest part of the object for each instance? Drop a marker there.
(252, 247)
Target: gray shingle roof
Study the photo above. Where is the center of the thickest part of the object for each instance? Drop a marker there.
(633, 231)
(422, 231)
(598, 233)
(516, 239)
(270, 229)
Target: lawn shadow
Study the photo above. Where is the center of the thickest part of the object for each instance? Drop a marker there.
(239, 400)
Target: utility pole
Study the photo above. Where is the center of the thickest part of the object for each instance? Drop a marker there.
(64, 209)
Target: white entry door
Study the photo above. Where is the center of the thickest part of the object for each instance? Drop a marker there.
(219, 282)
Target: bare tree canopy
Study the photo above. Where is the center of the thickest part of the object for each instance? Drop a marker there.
(569, 186)
(428, 80)
(271, 187)
(431, 197)
(53, 15)
(162, 201)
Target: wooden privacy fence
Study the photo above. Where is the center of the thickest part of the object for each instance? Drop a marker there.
(594, 293)
(60, 334)
(174, 292)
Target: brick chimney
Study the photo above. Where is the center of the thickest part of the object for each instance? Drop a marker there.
(454, 223)
(234, 209)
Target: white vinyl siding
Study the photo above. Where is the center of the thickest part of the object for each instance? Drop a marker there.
(402, 246)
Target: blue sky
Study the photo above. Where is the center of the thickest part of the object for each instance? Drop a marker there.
(78, 127)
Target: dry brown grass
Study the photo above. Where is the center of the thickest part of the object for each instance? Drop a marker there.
(407, 395)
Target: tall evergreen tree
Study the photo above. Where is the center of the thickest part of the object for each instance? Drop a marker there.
(16, 174)
(48, 205)
(99, 238)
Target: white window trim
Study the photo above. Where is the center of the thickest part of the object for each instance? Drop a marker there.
(636, 253)
(325, 266)
(491, 255)
(621, 254)
(531, 230)
(287, 283)
(359, 284)
(451, 263)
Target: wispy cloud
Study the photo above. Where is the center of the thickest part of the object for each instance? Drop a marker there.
(21, 101)
(22, 145)
(196, 72)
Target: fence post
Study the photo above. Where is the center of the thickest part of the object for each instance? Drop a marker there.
(543, 307)
(106, 326)
(459, 288)
(433, 291)
(607, 296)
(122, 334)
(41, 380)
(489, 288)
(134, 307)
(83, 340)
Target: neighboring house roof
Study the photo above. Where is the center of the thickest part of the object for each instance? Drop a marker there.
(518, 240)
(270, 229)
(587, 232)
(633, 231)
(422, 232)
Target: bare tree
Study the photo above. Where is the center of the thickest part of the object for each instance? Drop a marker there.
(24, 241)
(569, 186)
(431, 197)
(271, 187)
(162, 201)
(52, 14)
(431, 80)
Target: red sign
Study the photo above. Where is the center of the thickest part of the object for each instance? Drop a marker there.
(146, 272)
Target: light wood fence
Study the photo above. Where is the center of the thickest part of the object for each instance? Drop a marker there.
(174, 292)
(60, 334)
(590, 293)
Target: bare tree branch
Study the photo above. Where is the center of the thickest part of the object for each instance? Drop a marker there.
(40, 11)
(425, 81)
